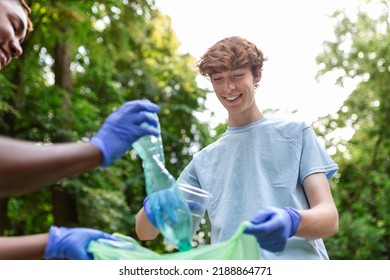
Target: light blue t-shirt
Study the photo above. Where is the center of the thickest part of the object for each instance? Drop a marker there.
(259, 165)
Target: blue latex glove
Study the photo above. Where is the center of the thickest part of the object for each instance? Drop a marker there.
(193, 205)
(165, 203)
(123, 127)
(168, 208)
(72, 243)
(273, 226)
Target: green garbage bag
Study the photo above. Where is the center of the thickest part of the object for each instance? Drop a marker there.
(239, 247)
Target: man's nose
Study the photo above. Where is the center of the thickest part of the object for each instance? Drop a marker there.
(230, 84)
(16, 49)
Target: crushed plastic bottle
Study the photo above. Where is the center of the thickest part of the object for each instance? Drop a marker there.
(163, 193)
(150, 145)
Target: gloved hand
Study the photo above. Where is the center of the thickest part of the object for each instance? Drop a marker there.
(273, 226)
(193, 205)
(72, 243)
(123, 127)
(169, 206)
(165, 202)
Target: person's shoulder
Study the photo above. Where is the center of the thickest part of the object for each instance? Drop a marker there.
(280, 123)
(211, 148)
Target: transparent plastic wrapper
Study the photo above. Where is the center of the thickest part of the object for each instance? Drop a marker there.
(239, 247)
(198, 200)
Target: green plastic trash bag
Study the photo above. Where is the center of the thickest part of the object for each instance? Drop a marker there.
(239, 247)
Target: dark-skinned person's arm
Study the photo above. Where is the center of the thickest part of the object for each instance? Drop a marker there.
(26, 166)
(58, 243)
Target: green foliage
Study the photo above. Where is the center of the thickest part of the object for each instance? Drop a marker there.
(361, 53)
(29, 214)
(120, 50)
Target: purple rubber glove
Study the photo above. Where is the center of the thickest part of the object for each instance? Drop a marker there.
(123, 127)
(72, 243)
(148, 211)
(273, 226)
(165, 204)
(169, 206)
(193, 205)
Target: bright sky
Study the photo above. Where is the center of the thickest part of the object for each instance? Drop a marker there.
(290, 34)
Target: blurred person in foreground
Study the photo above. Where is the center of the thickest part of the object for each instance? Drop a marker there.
(26, 166)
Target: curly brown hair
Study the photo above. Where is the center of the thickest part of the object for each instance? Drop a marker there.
(229, 54)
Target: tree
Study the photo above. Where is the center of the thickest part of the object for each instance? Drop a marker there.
(361, 53)
(116, 51)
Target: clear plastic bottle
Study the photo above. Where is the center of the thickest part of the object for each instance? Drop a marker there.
(150, 145)
(158, 179)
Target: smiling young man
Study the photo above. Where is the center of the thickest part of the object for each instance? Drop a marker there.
(271, 172)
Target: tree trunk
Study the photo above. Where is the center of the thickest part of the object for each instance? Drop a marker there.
(64, 207)
(64, 203)
(63, 79)
(4, 220)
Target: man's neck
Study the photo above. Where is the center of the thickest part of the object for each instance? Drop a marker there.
(241, 119)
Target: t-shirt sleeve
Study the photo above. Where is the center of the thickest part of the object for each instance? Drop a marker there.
(314, 158)
(188, 176)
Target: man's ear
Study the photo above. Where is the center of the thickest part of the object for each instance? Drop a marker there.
(257, 78)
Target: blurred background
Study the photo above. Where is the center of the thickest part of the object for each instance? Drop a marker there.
(329, 64)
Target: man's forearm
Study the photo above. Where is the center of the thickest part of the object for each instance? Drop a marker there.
(25, 166)
(27, 247)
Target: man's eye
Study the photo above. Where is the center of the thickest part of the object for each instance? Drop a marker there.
(238, 75)
(217, 79)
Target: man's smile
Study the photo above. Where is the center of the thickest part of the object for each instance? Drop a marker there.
(232, 98)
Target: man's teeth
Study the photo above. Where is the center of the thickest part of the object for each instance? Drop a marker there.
(232, 98)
